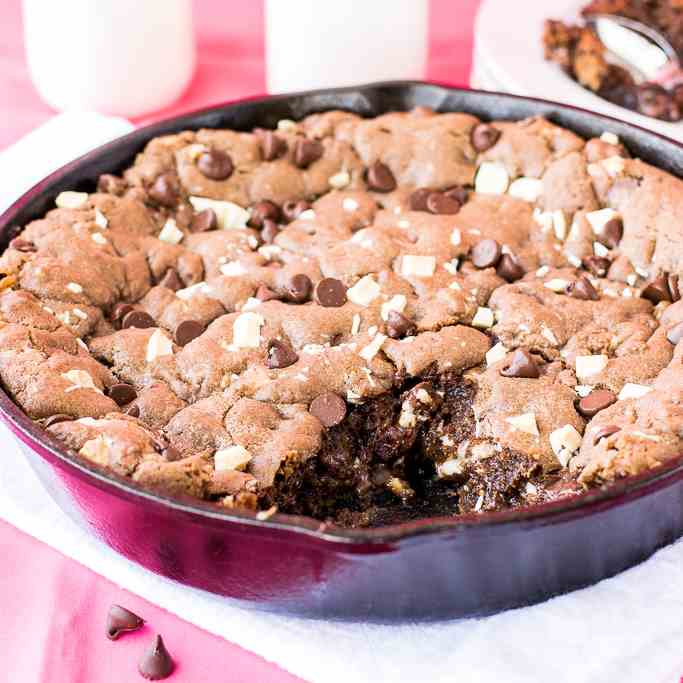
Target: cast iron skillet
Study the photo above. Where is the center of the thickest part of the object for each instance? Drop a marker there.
(427, 569)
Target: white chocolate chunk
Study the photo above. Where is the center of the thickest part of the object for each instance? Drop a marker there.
(560, 224)
(496, 353)
(364, 292)
(526, 422)
(614, 165)
(355, 324)
(79, 379)
(583, 389)
(158, 345)
(307, 215)
(98, 238)
(549, 335)
(246, 330)
(233, 269)
(631, 390)
(286, 125)
(97, 450)
(101, 219)
(492, 178)
(483, 318)
(396, 303)
(171, 233)
(557, 285)
(600, 250)
(231, 458)
(456, 237)
(350, 204)
(598, 219)
(372, 349)
(610, 138)
(74, 287)
(527, 189)
(229, 216)
(418, 266)
(565, 441)
(587, 366)
(340, 180)
(543, 219)
(71, 200)
(188, 292)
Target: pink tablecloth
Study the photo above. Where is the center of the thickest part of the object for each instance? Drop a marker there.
(53, 609)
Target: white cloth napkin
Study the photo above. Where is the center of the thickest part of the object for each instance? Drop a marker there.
(627, 629)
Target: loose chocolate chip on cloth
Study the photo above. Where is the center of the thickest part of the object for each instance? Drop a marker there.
(120, 620)
(156, 663)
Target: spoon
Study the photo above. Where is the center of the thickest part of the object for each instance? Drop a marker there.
(642, 50)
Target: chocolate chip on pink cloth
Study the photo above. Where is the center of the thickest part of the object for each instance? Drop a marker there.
(120, 620)
(156, 663)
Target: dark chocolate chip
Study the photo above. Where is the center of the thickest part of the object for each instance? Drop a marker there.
(485, 253)
(120, 311)
(458, 192)
(264, 293)
(597, 400)
(164, 190)
(292, 209)
(484, 136)
(418, 199)
(399, 326)
(121, 619)
(439, 203)
(604, 432)
(657, 290)
(156, 664)
(299, 288)
(674, 288)
(330, 292)
(22, 245)
(215, 164)
(307, 151)
(280, 355)
(133, 410)
(204, 221)
(122, 393)
(329, 408)
(171, 280)
(675, 334)
(582, 289)
(380, 178)
(522, 364)
(596, 265)
(272, 146)
(188, 330)
(612, 233)
(263, 211)
(58, 417)
(509, 268)
(171, 454)
(111, 184)
(138, 319)
(269, 231)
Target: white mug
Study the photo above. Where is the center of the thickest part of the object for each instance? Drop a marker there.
(320, 43)
(122, 57)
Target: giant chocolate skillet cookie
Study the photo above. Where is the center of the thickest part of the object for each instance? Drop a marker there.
(360, 320)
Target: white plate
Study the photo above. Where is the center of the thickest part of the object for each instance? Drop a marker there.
(508, 56)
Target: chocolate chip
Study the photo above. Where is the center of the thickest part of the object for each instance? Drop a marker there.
(299, 288)
(280, 355)
(171, 280)
(22, 245)
(654, 100)
(111, 184)
(122, 393)
(269, 231)
(439, 203)
(330, 292)
(522, 364)
(215, 164)
(597, 400)
(164, 191)
(509, 268)
(604, 432)
(120, 311)
(380, 178)
(171, 454)
(459, 193)
(418, 199)
(133, 410)
(329, 408)
(204, 221)
(675, 334)
(138, 319)
(272, 146)
(156, 664)
(582, 289)
(674, 288)
(484, 136)
(121, 619)
(399, 326)
(264, 293)
(485, 253)
(58, 417)
(188, 330)
(596, 265)
(657, 290)
(263, 211)
(307, 151)
(292, 209)
(612, 233)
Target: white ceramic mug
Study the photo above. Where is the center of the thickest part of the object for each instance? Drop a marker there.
(123, 57)
(320, 43)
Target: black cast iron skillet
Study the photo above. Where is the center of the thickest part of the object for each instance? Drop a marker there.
(427, 569)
